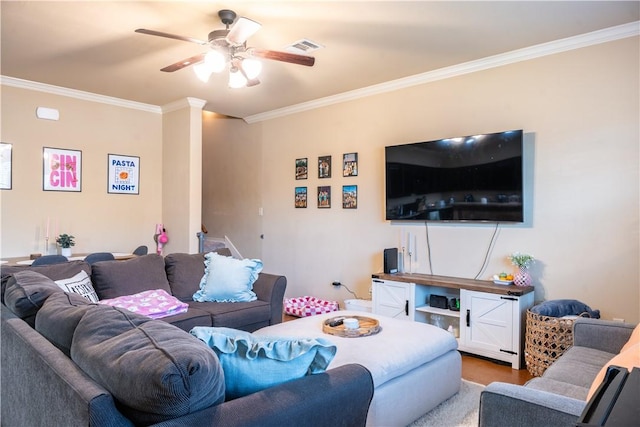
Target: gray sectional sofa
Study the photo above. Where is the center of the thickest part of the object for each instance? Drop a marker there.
(67, 361)
(558, 397)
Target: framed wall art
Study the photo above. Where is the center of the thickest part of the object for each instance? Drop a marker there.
(302, 168)
(301, 197)
(62, 169)
(324, 167)
(123, 174)
(6, 172)
(350, 164)
(324, 196)
(349, 196)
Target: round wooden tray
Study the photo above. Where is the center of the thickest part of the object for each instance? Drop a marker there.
(368, 326)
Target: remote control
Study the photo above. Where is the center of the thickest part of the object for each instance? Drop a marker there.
(336, 322)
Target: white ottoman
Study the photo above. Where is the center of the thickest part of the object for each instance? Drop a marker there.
(414, 366)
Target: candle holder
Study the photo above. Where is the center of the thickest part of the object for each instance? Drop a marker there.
(46, 245)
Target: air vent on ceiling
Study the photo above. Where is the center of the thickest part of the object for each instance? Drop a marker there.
(303, 46)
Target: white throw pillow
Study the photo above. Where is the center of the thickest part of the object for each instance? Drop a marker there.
(79, 284)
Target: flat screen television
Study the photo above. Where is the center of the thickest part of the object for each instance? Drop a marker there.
(469, 178)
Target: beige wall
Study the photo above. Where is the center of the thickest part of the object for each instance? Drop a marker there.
(99, 221)
(580, 112)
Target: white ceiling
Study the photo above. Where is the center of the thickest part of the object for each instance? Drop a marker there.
(91, 45)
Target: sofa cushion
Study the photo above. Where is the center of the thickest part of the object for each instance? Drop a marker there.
(227, 279)
(184, 272)
(59, 271)
(628, 358)
(239, 315)
(252, 363)
(26, 292)
(79, 284)
(142, 273)
(154, 370)
(58, 318)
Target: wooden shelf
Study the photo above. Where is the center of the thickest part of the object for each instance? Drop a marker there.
(456, 283)
(436, 310)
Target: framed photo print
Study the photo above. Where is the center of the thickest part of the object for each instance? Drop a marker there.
(301, 197)
(6, 159)
(62, 170)
(123, 174)
(324, 196)
(324, 167)
(302, 168)
(349, 196)
(350, 164)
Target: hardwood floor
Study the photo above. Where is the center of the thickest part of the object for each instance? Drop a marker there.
(484, 371)
(481, 370)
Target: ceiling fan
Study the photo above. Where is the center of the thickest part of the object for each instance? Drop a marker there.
(228, 47)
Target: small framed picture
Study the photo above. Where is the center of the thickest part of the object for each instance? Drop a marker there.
(349, 196)
(302, 168)
(6, 159)
(62, 170)
(123, 174)
(301, 197)
(324, 167)
(324, 196)
(350, 164)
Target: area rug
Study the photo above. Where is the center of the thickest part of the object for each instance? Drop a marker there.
(460, 410)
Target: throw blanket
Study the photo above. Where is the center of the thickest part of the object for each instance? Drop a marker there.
(155, 303)
(565, 307)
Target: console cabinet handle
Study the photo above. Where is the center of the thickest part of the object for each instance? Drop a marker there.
(468, 318)
(406, 307)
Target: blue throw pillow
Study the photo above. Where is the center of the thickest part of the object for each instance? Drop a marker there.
(252, 363)
(227, 279)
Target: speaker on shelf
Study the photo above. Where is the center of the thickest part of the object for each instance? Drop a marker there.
(391, 260)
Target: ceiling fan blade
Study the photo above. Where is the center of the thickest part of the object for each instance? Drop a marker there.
(242, 30)
(170, 36)
(292, 58)
(184, 63)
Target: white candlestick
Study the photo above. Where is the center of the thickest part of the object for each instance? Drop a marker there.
(47, 235)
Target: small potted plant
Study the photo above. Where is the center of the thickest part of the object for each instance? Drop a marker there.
(523, 262)
(65, 241)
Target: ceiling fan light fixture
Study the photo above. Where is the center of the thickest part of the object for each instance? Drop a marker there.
(251, 67)
(236, 79)
(242, 30)
(203, 71)
(215, 60)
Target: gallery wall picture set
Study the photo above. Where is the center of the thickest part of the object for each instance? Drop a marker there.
(62, 170)
(349, 192)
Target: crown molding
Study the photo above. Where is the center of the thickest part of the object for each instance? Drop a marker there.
(78, 94)
(631, 29)
(184, 103)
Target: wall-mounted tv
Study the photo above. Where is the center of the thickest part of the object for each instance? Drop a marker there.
(469, 178)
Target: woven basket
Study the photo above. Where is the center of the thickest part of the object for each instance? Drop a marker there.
(545, 341)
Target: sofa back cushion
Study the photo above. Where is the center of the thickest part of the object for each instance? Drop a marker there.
(61, 271)
(185, 271)
(26, 293)
(154, 370)
(114, 279)
(59, 316)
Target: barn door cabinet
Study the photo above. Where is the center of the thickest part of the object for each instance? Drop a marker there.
(490, 321)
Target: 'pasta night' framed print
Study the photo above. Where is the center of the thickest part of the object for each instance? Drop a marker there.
(123, 174)
(62, 170)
